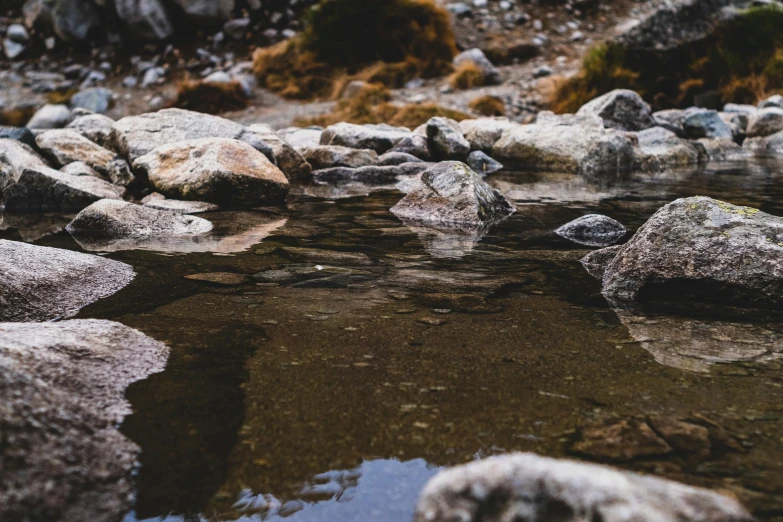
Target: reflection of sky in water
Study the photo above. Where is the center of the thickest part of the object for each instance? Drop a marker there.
(377, 491)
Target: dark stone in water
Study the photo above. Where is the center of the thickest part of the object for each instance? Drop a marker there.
(593, 230)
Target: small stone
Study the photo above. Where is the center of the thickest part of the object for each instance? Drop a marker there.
(593, 230)
(221, 278)
(432, 321)
(482, 164)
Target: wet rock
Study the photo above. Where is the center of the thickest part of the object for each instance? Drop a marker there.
(768, 145)
(490, 73)
(578, 144)
(41, 284)
(659, 148)
(136, 136)
(776, 100)
(328, 156)
(181, 207)
(64, 146)
(96, 99)
(415, 145)
(621, 441)
(707, 248)
(328, 257)
(596, 262)
(223, 171)
(370, 175)
(146, 20)
(765, 122)
(314, 276)
(14, 158)
(450, 194)
(41, 188)
(483, 133)
(620, 109)
(49, 117)
(529, 487)
(703, 123)
(445, 140)
(94, 127)
(20, 134)
(289, 160)
(593, 230)
(62, 388)
(482, 164)
(373, 137)
(397, 158)
(722, 149)
(71, 20)
(77, 168)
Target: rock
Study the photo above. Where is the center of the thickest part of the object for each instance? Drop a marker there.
(371, 175)
(768, 145)
(290, 161)
(593, 230)
(737, 122)
(41, 284)
(445, 140)
(672, 120)
(566, 144)
(147, 20)
(621, 441)
(450, 194)
(119, 172)
(49, 117)
(526, 487)
(370, 137)
(703, 123)
(223, 171)
(17, 33)
(77, 168)
(483, 133)
(153, 76)
(735, 108)
(482, 164)
(62, 388)
(14, 158)
(236, 28)
(12, 49)
(765, 122)
(64, 146)
(20, 134)
(707, 248)
(95, 127)
(415, 145)
(296, 137)
(181, 207)
(722, 149)
(41, 189)
(490, 73)
(136, 136)
(71, 20)
(596, 262)
(328, 156)
(397, 158)
(659, 149)
(543, 71)
(620, 109)
(775, 100)
(96, 99)
(207, 12)
(220, 278)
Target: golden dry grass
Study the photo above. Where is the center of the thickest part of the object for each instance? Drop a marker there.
(211, 98)
(488, 106)
(466, 76)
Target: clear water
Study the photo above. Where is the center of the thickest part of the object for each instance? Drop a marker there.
(366, 354)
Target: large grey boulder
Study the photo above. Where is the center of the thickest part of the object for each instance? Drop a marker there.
(593, 230)
(64, 146)
(71, 20)
(223, 171)
(374, 137)
(450, 194)
(658, 149)
(14, 158)
(207, 12)
(703, 123)
(42, 189)
(290, 161)
(135, 136)
(62, 396)
(620, 109)
(446, 141)
(708, 248)
(672, 120)
(40, 284)
(476, 56)
(147, 20)
(578, 144)
(483, 133)
(328, 156)
(525, 487)
(50, 117)
(765, 122)
(94, 127)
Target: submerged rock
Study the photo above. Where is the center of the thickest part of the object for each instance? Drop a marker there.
(328, 156)
(40, 284)
(593, 230)
(483, 164)
(223, 171)
(373, 137)
(62, 395)
(445, 140)
(65, 146)
(451, 194)
(181, 207)
(620, 109)
(708, 249)
(528, 487)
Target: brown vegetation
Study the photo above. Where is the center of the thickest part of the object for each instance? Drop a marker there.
(467, 76)
(17, 117)
(211, 98)
(488, 106)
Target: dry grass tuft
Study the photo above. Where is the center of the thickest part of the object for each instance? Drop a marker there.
(17, 117)
(211, 98)
(488, 106)
(467, 76)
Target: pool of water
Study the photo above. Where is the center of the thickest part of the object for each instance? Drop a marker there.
(344, 356)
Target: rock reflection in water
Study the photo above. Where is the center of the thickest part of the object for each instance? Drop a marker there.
(354, 188)
(32, 227)
(444, 243)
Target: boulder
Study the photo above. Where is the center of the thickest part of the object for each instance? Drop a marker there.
(768, 145)
(490, 73)
(483, 133)
(765, 122)
(482, 164)
(596, 261)
(373, 137)
(415, 145)
(445, 140)
(14, 158)
(776, 100)
(566, 144)
(181, 207)
(62, 396)
(328, 156)
(703, 123)
(450, 194)
(526, 487)
(119, 173)
(95, 99)
(41, 284)
(207, 12)
(223, 171)
(722, 149)
(705, 248)
(42, 189)
(77, 168)
(71, 20)
(146, 20)
(397, 158)
(136, 136)
(593, 230)
(94, 127)
(296, 137)
(620, 109)
(672, 120)
(20, 134)
(290, 161)
(64, 146)
(736, 108)
(371, 175)
(659, 149)
(49, 117)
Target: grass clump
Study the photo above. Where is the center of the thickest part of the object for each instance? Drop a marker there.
(16, 117)
(211, 97)
(488, 106)
(466, 76)
(386, 41)
(372, 104)
(741, 62)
